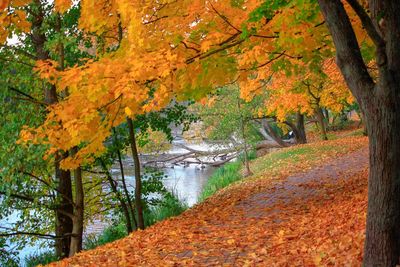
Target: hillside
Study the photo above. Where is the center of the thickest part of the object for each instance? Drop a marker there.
(304, 206)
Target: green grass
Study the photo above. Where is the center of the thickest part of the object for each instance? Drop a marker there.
(110, 234)
(358, 132)
(169, 207)
(222, 177)
(280, 158)
(332, 136)
(273, 162)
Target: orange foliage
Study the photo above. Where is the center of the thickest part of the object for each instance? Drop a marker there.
(304, 91)
(176, 50)
(162, 47)
(62, 5)
(12, 21)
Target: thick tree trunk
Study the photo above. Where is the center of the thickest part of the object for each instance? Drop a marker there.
(301, 136)
(78, 218)
(63, 223)
(138, 178)
(272, 133)
(382, 246)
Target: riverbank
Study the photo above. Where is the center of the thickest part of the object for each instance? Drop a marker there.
(185, 181)
(254, 220)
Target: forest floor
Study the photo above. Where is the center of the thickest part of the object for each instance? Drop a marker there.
(304, 206)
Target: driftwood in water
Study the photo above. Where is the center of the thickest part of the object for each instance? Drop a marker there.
(213, 157)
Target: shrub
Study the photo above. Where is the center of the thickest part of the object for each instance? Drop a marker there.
(110, 234)
(41, 258)
(169, 206)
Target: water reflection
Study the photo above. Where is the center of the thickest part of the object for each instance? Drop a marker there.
(186, 182)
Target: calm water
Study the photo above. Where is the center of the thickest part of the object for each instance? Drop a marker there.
(186, 182)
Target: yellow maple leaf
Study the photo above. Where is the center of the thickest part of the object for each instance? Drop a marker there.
(128, 111)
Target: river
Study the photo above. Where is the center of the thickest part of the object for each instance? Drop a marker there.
(185, 181)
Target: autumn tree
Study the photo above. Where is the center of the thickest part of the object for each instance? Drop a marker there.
(227, 118)
(313, 92)
(52, 35)
(377, 99)
(380, 103)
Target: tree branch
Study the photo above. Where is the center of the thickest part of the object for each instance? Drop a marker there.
(16, 61)
(265, 63)
(49, 186)
(367, 23)
(30, 100)
(207, 54)
(18, 196)
(348, 54)
(20, 51)
(190, 47)
(224, 18)
(45, 236)
(21, 93)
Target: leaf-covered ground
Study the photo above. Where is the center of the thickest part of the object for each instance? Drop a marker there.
(305, 206)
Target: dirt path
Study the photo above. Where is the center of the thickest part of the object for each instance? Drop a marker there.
(292, 189)
(250, 228)
(267, 206)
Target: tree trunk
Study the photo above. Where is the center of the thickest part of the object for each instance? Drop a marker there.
(248, 171)
(272, 133)
(326, 115)
(121, 200)
(302, 137)
(380, 103)
(78, 218)
(125, 187)
(321, 121)
(63, 221)
(298, 129)
(383, 219)
(363, 122)
(138, 178)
